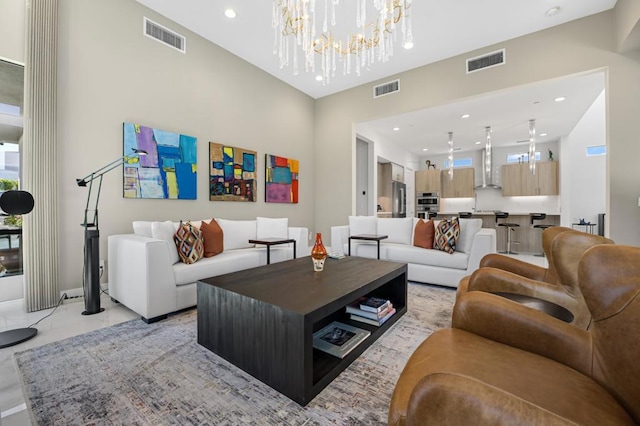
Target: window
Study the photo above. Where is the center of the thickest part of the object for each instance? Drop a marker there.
(596, 150)
(522, 157)
(458, 162)
(10, 253)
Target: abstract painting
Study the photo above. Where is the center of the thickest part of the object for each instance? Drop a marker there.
(232, 173)
(168, 170)
(281, 179)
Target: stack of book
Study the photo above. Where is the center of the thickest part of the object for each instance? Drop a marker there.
(371, 310)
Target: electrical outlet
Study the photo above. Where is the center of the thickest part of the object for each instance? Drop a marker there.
(102, 265)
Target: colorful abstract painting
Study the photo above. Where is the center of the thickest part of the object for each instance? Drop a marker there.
(232, 173)
(281, 179)
(169, 170)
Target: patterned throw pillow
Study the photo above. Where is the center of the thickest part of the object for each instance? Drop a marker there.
(189, 243)
(447, 233)
(424, 234)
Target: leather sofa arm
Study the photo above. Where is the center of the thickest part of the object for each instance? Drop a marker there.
(515, 266)
(492, 280)
(449, 398)
(513, 324)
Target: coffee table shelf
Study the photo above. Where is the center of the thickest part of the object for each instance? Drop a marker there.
(262, 319)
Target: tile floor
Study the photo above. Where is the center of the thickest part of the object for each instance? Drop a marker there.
(67, 321)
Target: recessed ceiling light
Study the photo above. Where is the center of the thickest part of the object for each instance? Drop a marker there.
(408, 45)
(425, 149)
(230, 13)
(536, 102)
(466, 116)
(560, 99)
(395, 129)
(478, 143)
(543, 134)
(319, 78)
(553, 11)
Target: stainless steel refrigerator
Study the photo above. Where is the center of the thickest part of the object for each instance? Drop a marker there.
(398, 199)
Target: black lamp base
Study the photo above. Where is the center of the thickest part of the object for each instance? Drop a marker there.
(19, 335)
(92, 313)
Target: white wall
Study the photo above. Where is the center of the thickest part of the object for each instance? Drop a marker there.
(12, 34)
(583, 179)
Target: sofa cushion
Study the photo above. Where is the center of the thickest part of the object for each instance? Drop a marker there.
(165, 231)
(267, 227)
(142, 228)
(360, 225)
(468, 230)
(237, 233)
(447, 233)
(213, 238)
(189, 243)
(397, 229)
(424, 234)
(419, 256)
(226, 262)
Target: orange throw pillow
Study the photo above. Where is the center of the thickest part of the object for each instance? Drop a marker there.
(424, 234)
(212, 234)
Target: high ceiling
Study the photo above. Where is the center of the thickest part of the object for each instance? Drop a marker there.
(441, 29)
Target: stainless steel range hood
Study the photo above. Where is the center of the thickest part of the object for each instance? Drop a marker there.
(487, 173)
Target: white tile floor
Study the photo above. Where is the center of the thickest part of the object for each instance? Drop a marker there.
(66, 322)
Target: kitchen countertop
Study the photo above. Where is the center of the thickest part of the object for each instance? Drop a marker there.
(491, 213)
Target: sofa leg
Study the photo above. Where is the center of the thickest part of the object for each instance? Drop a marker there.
(154, 319)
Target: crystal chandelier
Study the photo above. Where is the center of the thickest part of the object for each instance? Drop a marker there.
(294, 24)
(532, 146)
(487, 151)
(451, 155)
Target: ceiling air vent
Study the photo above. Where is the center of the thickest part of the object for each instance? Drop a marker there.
(386, 88)
(164, 35)
(489, 60)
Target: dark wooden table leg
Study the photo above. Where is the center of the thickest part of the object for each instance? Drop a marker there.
(294, 249)
(268, 254)
(349, 246)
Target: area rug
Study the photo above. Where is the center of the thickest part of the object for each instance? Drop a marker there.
(139, 374)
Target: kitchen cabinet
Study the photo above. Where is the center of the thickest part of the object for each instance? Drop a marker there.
(428, 181)
(517, 179)
(461, 185)
(397, 172)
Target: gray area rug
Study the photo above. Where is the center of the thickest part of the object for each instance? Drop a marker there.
(139, 374)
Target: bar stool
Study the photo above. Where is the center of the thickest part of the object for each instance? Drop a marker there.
(431, 215)
(508, 227)
(464, 215)
(541, 226)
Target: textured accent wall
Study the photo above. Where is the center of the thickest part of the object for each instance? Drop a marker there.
(39, 147)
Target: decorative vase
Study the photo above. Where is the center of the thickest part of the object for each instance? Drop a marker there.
(318, 254)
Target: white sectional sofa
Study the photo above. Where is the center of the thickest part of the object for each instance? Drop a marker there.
(146, 275)
(424, 265)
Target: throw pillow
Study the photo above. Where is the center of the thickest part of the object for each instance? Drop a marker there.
(213, 238)
(424, 234)
(165, 231)
(189, 243)
(237, 233)
(267, 227)
(447, 233)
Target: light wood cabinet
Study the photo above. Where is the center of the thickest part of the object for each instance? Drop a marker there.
(397, 172)
(384, 186)
(518, 180)
(428, 181)
(461, 186)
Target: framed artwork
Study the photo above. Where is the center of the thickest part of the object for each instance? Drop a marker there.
(232, 173)
(169, 170)
(281, 179)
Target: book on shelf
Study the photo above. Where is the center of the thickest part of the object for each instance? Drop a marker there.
(339, 339)
(354, 308)
(376, 322)
(374, 304)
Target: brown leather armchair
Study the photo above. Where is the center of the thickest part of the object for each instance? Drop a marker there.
(503, 363)
(560, 283)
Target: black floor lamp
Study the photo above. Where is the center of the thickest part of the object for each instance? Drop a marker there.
(16, 202)
(91, 273)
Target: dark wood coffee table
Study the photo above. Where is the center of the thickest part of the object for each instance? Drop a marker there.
(262, 319)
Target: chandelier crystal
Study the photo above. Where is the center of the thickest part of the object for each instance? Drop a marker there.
(451, 155)
(487, 151)
(296, 32)
(532, 146)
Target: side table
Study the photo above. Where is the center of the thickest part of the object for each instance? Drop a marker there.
(274, 242)
(367, 237)
(588, 227)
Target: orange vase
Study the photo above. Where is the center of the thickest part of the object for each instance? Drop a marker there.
(318, 254)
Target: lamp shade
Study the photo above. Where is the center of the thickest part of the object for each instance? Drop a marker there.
(16, 202)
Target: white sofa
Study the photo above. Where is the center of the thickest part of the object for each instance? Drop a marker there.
(146, 275)
(424, 265)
